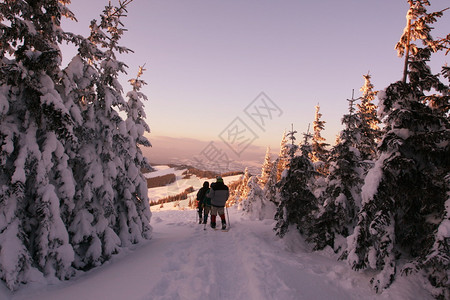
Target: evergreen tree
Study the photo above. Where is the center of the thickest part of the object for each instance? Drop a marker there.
(266, 168)
(112, 208)
(35, 127)
(337, 216)
(282, 156)
(95, 212)
(243, 187)
(136, 127)
(256, 206)
(319, 153)
(70, 163)
(436, 261)
(405, 187)
(368, 122)
(297, 201)
(271, 191)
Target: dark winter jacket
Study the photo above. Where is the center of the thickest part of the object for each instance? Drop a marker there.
(219, 194)
(201, 194)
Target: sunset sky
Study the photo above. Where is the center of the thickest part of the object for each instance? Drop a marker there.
(208, 61)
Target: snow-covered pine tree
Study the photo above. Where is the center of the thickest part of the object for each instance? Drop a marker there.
(35, 128)
(136, 185)
(283, 156)
(368, 122)
(111, 209)
(243, 187)
(404, 196)
(79, 82)
(95, 213)
(256, 206)
(436, 261)
(341, 200)
(271, 191)
(265, 169)
(61, 139)
(319, 153)
(297, 201)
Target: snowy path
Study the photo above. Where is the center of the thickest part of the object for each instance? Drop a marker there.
(183, 261)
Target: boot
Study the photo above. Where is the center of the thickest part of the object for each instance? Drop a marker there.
(224, 223)
(213, 221)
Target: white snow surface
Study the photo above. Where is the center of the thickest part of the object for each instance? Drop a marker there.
(184, 261)
(160, 171)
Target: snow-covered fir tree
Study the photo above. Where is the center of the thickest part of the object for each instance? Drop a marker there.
(271, 191)
(136, 183)
(341, 200)
(266, 168)
(319, 153)
(111, 194)
(256, 206)
(109, 191)
(242, 190)
(96, 210)
(404, 195)
(368, 122)
(436, 261)
(35, 128)
(65, 176)
(297, 200)
(283, 156)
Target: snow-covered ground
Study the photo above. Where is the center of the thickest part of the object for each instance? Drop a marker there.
(183, 261)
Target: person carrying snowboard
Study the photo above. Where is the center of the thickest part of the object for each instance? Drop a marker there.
(219, 195)
(201, 195)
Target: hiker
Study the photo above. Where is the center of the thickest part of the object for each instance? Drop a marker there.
(219, 195)
(206, 206)
(201, 195)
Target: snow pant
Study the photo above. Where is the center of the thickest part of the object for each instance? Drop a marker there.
(200, 210)
(206, 213)
(220, 211)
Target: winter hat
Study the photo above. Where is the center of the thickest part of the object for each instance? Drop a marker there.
(206, 184)
(219, 179)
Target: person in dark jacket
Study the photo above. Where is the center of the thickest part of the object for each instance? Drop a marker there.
(201, 197)
(206, 207)
(219, 195)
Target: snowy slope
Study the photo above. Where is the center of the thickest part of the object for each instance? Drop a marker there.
(183, 261)
(161, 170)
(178, 186)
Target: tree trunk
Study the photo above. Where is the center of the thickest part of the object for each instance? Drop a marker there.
(405, 67)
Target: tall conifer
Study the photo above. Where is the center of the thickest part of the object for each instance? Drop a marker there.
(70, 179)
(404, 196)
(341, 199)
(368, 122)
(319, 153)
(297, 200)
(265, 169)
(35, 128)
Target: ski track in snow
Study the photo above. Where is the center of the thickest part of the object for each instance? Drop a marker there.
(183, 261)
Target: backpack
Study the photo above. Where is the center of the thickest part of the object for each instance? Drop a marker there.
(201, 194)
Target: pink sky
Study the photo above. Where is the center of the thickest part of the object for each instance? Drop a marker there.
(208, 60)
